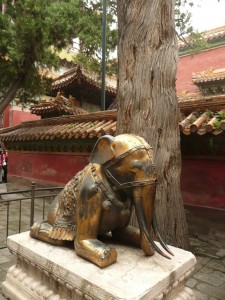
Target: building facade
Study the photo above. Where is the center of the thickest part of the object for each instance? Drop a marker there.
(53, 149)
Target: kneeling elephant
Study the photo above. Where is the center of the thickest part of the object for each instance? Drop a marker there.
(100, 199)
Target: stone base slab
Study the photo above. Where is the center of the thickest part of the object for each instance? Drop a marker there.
(48, 272)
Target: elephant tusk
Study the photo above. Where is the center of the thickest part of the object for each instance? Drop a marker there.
(142, 225)
(156, 231)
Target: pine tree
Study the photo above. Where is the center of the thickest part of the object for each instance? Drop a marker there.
(31, 34)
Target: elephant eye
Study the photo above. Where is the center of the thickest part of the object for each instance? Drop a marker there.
(132, 171)
(144, 166)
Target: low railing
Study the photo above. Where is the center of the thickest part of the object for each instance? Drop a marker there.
(19, 209)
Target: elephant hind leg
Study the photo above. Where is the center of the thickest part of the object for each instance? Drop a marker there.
(132, 236)
(41, 232)
(129, 235)
(96, 252)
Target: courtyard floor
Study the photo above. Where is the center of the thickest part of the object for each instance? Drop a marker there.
(207, 280)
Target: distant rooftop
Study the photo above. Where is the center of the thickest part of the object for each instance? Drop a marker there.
(209, 75)
(84, 86)
(58, 106)
(214, 37)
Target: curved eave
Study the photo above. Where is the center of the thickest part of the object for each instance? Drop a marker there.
(78, 77)
(86, 126)
(84, 129)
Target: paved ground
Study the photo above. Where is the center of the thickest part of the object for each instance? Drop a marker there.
(207, 281)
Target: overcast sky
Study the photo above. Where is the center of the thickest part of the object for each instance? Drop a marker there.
(207, 14)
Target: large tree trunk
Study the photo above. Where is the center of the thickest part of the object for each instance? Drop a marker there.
(147, 103)
(10, 94)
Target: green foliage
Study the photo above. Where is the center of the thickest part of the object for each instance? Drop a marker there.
(90, 36)
(33, 32)
(220, 118)
(194, 40)
(183, 19)
(28, 30)
(209, 113)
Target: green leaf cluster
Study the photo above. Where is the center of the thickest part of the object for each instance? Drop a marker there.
(220, 118)
(90, 36)
(183, 18)
(193, 40)
(33, 32)
(30, 32)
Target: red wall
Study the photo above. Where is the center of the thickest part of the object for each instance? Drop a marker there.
(203, 182)
(50, 167)
(189, 64)
(6, 117)
(16, 116)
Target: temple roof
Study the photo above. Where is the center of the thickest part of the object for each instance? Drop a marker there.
(214, 33)
(71, 128)
(208, 76)
(82, 84)
(77, 75)
(201, 114)
(195, 118)
(57, 107)
(210, 36)
(196, 101)
(203, 122)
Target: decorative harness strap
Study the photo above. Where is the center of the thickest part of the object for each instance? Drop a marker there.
(107, 192)
(125, 185)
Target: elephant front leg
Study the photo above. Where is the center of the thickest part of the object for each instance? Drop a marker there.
(41, 232)
(86, 244)
(96, 252)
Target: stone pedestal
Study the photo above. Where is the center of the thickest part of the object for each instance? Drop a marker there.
(48, 272)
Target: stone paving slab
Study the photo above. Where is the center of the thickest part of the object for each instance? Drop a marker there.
(206, 281)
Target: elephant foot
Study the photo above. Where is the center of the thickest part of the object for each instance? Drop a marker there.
(96, 252)
(41, 232)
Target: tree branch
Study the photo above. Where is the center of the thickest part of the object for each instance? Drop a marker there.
(10, 94)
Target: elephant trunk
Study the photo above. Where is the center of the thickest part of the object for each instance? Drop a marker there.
(144, 213)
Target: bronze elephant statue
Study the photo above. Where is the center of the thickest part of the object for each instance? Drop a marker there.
(100, 199)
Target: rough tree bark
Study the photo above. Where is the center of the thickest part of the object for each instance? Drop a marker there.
(147, 103)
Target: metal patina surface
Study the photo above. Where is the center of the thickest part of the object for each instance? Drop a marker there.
(100, 199)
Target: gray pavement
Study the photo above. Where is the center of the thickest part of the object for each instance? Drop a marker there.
(207, 280)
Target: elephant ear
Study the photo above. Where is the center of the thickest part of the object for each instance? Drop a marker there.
(103, 150)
